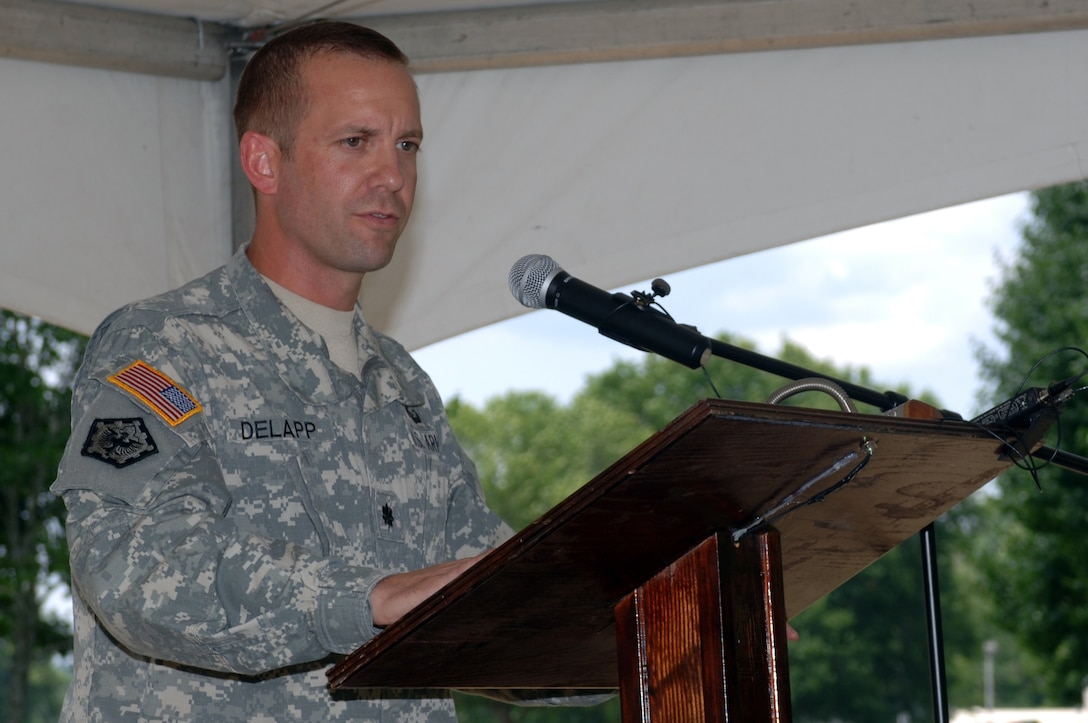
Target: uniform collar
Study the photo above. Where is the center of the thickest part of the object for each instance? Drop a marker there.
(300, 355)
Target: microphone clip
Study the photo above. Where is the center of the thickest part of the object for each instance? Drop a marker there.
(658, 288)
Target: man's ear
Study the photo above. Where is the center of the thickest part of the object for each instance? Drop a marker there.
(260, 157)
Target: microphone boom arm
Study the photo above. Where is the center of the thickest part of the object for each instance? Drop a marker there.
(884, 401)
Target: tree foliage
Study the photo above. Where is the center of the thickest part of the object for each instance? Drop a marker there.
(46, 685)
(36, 361)
(1036, 569)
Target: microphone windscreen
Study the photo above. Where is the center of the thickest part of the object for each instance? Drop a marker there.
(529, 279)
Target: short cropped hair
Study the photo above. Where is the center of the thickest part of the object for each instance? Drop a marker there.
(271, 97)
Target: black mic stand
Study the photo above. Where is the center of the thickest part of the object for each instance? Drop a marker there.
(884, 401)
(928, 538)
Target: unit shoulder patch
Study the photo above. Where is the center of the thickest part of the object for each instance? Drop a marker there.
(119, 442)
(165, 397)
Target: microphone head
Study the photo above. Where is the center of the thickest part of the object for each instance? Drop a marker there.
(529, 279)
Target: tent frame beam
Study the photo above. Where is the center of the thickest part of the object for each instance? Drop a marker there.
(86, 35)
(612, 30)
(529, 35)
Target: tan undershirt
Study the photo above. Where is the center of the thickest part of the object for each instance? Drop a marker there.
(336, 327)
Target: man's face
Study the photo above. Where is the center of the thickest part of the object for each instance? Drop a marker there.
(344, 193)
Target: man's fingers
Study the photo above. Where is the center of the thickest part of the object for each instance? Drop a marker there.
(395, 595)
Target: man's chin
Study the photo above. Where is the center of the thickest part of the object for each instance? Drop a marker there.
(376, 256)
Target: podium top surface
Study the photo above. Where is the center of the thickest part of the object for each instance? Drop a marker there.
(538, 611)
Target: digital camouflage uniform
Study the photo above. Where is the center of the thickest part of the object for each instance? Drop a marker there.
(233, 497)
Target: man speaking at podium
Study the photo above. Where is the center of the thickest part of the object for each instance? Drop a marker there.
(257, 481)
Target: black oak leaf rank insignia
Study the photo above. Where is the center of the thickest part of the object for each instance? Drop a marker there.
(119, 442)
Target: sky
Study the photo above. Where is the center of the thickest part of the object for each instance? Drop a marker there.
(908, 299)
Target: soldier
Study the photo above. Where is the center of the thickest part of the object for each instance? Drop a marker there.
(257, 481)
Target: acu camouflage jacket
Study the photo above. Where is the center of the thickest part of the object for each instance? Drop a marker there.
(233, 497)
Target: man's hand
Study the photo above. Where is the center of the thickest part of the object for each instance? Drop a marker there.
(395, 595)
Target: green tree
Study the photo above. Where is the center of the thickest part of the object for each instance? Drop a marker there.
(862, 655)
(1036, 568)
(972, 538)
(36, 362)
(532, 452)
(46, 686)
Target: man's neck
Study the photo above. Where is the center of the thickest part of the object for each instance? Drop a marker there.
(332, 289)
(337, 328)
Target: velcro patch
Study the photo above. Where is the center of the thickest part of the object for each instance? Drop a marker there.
(425, 439)
(119, 442)
(158, 391)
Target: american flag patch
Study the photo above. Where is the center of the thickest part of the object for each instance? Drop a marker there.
(157, 390)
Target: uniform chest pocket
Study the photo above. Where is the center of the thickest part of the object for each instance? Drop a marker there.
(272, 497)
(406, 481)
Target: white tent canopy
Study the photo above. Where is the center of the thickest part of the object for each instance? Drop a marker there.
(117, 184)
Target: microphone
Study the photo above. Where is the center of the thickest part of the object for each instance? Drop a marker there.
(538, 282)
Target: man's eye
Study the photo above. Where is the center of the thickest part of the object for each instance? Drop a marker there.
(408, 146)
(353, 142)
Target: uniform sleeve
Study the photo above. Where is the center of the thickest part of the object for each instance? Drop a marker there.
(471, 526)
(160, 562)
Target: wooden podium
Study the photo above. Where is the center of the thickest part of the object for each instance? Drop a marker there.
(670, 576)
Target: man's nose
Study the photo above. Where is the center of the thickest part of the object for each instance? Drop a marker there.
(389, 171)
